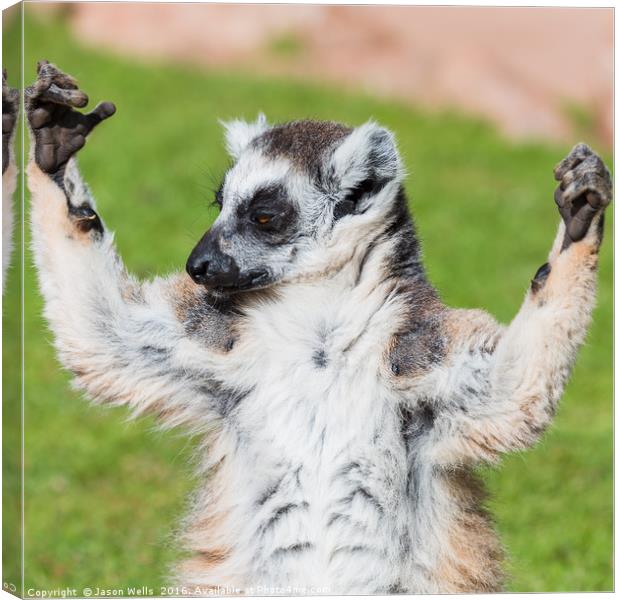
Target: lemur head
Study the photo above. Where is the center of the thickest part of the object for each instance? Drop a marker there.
(298, 197)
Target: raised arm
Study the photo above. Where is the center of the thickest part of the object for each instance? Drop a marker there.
(10, 110)
(498, 387)
(156, 346)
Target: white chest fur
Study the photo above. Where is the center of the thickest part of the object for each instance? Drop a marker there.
(318, 456)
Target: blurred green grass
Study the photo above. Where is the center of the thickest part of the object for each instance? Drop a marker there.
(11, 387)
(103, 496)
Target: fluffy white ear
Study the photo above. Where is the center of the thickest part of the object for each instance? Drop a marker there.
(368, 152)
(238, 134)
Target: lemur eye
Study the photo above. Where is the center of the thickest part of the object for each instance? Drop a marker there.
(262, 219)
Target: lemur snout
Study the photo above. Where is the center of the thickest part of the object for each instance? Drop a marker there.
(207, 264)
(214, 270)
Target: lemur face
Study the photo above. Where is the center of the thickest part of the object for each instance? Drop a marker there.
(293, 193)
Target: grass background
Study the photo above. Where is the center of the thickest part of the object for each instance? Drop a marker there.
(103, 496)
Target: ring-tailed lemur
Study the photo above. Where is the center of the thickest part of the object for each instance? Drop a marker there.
(10, 109)
(342, 404)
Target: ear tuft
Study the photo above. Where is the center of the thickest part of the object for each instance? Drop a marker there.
(368, 152)
(238, 133)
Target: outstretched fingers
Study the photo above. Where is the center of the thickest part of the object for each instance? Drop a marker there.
(101, 112)
(585, 189)
(59, 128)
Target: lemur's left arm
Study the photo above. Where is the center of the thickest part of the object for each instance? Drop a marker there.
(498, 388)
(10, 110)
(126, 342)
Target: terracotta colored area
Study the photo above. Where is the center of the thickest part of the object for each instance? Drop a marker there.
(518, 67)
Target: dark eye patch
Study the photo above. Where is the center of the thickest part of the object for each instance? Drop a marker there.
(268, 197)
(270, 214)
(267, 200)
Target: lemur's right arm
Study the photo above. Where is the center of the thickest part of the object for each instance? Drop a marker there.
(10, 110)
(126, 342)
(497, 388)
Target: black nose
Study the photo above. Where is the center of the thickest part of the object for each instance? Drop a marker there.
(210, 266)
(197, 267)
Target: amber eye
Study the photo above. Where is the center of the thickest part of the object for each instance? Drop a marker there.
(262, 219)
